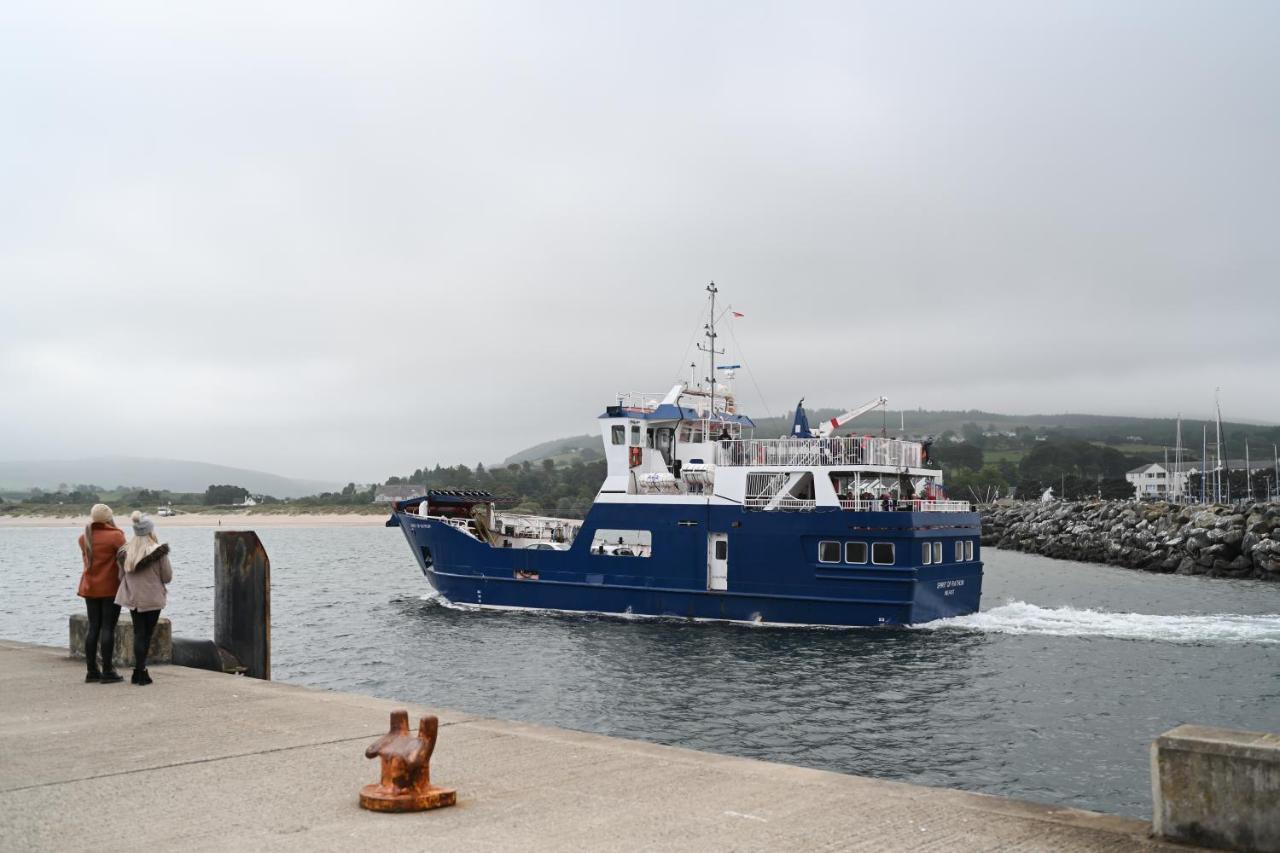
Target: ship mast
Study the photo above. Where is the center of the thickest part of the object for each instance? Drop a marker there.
(710, 348)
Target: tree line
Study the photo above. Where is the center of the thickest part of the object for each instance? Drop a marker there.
(1073, 469)
(542, 489)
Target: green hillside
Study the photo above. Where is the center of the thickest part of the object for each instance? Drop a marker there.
(983, 454)
(1143, 437)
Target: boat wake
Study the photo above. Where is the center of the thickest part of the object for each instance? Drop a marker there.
(1019, 617)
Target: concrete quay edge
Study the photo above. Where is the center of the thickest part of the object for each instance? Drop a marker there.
(1255, 746)
(206, 761)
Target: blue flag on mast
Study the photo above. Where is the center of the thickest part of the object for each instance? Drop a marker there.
(800, 426)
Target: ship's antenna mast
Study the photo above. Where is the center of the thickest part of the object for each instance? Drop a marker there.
(710, 348)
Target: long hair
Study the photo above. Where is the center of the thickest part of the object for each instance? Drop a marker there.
(139, 546)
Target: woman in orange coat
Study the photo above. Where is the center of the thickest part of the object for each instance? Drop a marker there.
(99, 584)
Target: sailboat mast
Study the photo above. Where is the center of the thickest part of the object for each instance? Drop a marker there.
(1217, 474)
(1204, 459)
(1248, 471)
(1177, 459)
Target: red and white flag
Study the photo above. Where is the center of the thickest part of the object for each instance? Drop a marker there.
(738, 314)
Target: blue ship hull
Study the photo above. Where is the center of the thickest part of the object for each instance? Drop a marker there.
(774, 571)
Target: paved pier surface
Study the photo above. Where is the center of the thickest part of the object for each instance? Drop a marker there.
(203, 761)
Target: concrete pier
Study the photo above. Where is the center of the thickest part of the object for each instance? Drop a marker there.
(1217, 787)
(205, 761)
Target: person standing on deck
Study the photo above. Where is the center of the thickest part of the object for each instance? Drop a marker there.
(98, 586)
(144, 572)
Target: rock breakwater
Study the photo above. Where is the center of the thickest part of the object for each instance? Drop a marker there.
(1219, 541)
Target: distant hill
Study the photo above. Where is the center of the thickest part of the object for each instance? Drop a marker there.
(562, 450)
(1120, 430)
(169, 474)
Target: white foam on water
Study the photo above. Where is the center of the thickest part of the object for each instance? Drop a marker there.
(1019, 617)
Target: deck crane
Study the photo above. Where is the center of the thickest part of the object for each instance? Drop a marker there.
(835, 423)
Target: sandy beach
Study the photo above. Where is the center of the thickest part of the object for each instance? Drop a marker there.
(229, 520)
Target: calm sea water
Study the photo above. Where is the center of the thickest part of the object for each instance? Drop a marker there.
(1052, 693)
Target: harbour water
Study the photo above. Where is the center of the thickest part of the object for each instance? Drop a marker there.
(1051, 693)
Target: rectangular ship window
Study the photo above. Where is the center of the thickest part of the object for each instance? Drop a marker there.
(828, 552)
(927, 556)
(937, 552)
(959, 550)
(722, 549)
(619, 434)
(882, 553)
(855, 552)
(968, 549)
(635, 435)
(622, 543)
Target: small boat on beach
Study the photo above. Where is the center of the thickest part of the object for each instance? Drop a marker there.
(698, 518)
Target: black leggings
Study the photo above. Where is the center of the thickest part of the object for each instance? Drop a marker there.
(103, 615)
(144, 626)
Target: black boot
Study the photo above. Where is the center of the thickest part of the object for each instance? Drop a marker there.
(93, 675)
(144, 678)
(133, 679)
(109, 675)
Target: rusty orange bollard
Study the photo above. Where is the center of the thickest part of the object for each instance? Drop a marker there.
(406, 769)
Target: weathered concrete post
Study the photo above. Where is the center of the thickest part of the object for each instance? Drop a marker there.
(1217, 788)
(161, 641)
(242, 600)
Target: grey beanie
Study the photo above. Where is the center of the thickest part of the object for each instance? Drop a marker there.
(142, 524)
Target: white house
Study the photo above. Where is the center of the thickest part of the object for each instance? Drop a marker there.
(1156, 482)
(387, 494)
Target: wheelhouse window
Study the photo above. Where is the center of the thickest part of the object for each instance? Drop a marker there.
(882, 554)
(959, 550)
(619, 434)
(828, 552)
(855, 552)
(635, 435)
(927, 553)
(968, 549)
(937, 552)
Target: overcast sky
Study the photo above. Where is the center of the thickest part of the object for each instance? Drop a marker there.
(346, 240)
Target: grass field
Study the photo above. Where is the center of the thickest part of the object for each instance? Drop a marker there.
(995, 457)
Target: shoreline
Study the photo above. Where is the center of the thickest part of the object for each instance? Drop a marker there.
(227, 520)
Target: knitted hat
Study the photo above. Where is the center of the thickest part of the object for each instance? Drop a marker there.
(101, 514)
(142, 524)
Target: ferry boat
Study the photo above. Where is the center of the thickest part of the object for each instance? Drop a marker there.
(698, 518)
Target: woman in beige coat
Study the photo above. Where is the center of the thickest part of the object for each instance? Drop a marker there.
(144, 572)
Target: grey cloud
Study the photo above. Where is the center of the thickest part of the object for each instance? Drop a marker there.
(346, 242)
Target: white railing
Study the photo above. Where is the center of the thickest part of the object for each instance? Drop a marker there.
(808, 452)
(536, 527)
(806, 504)
(640, 400)
(905, 506)
(784, 504)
